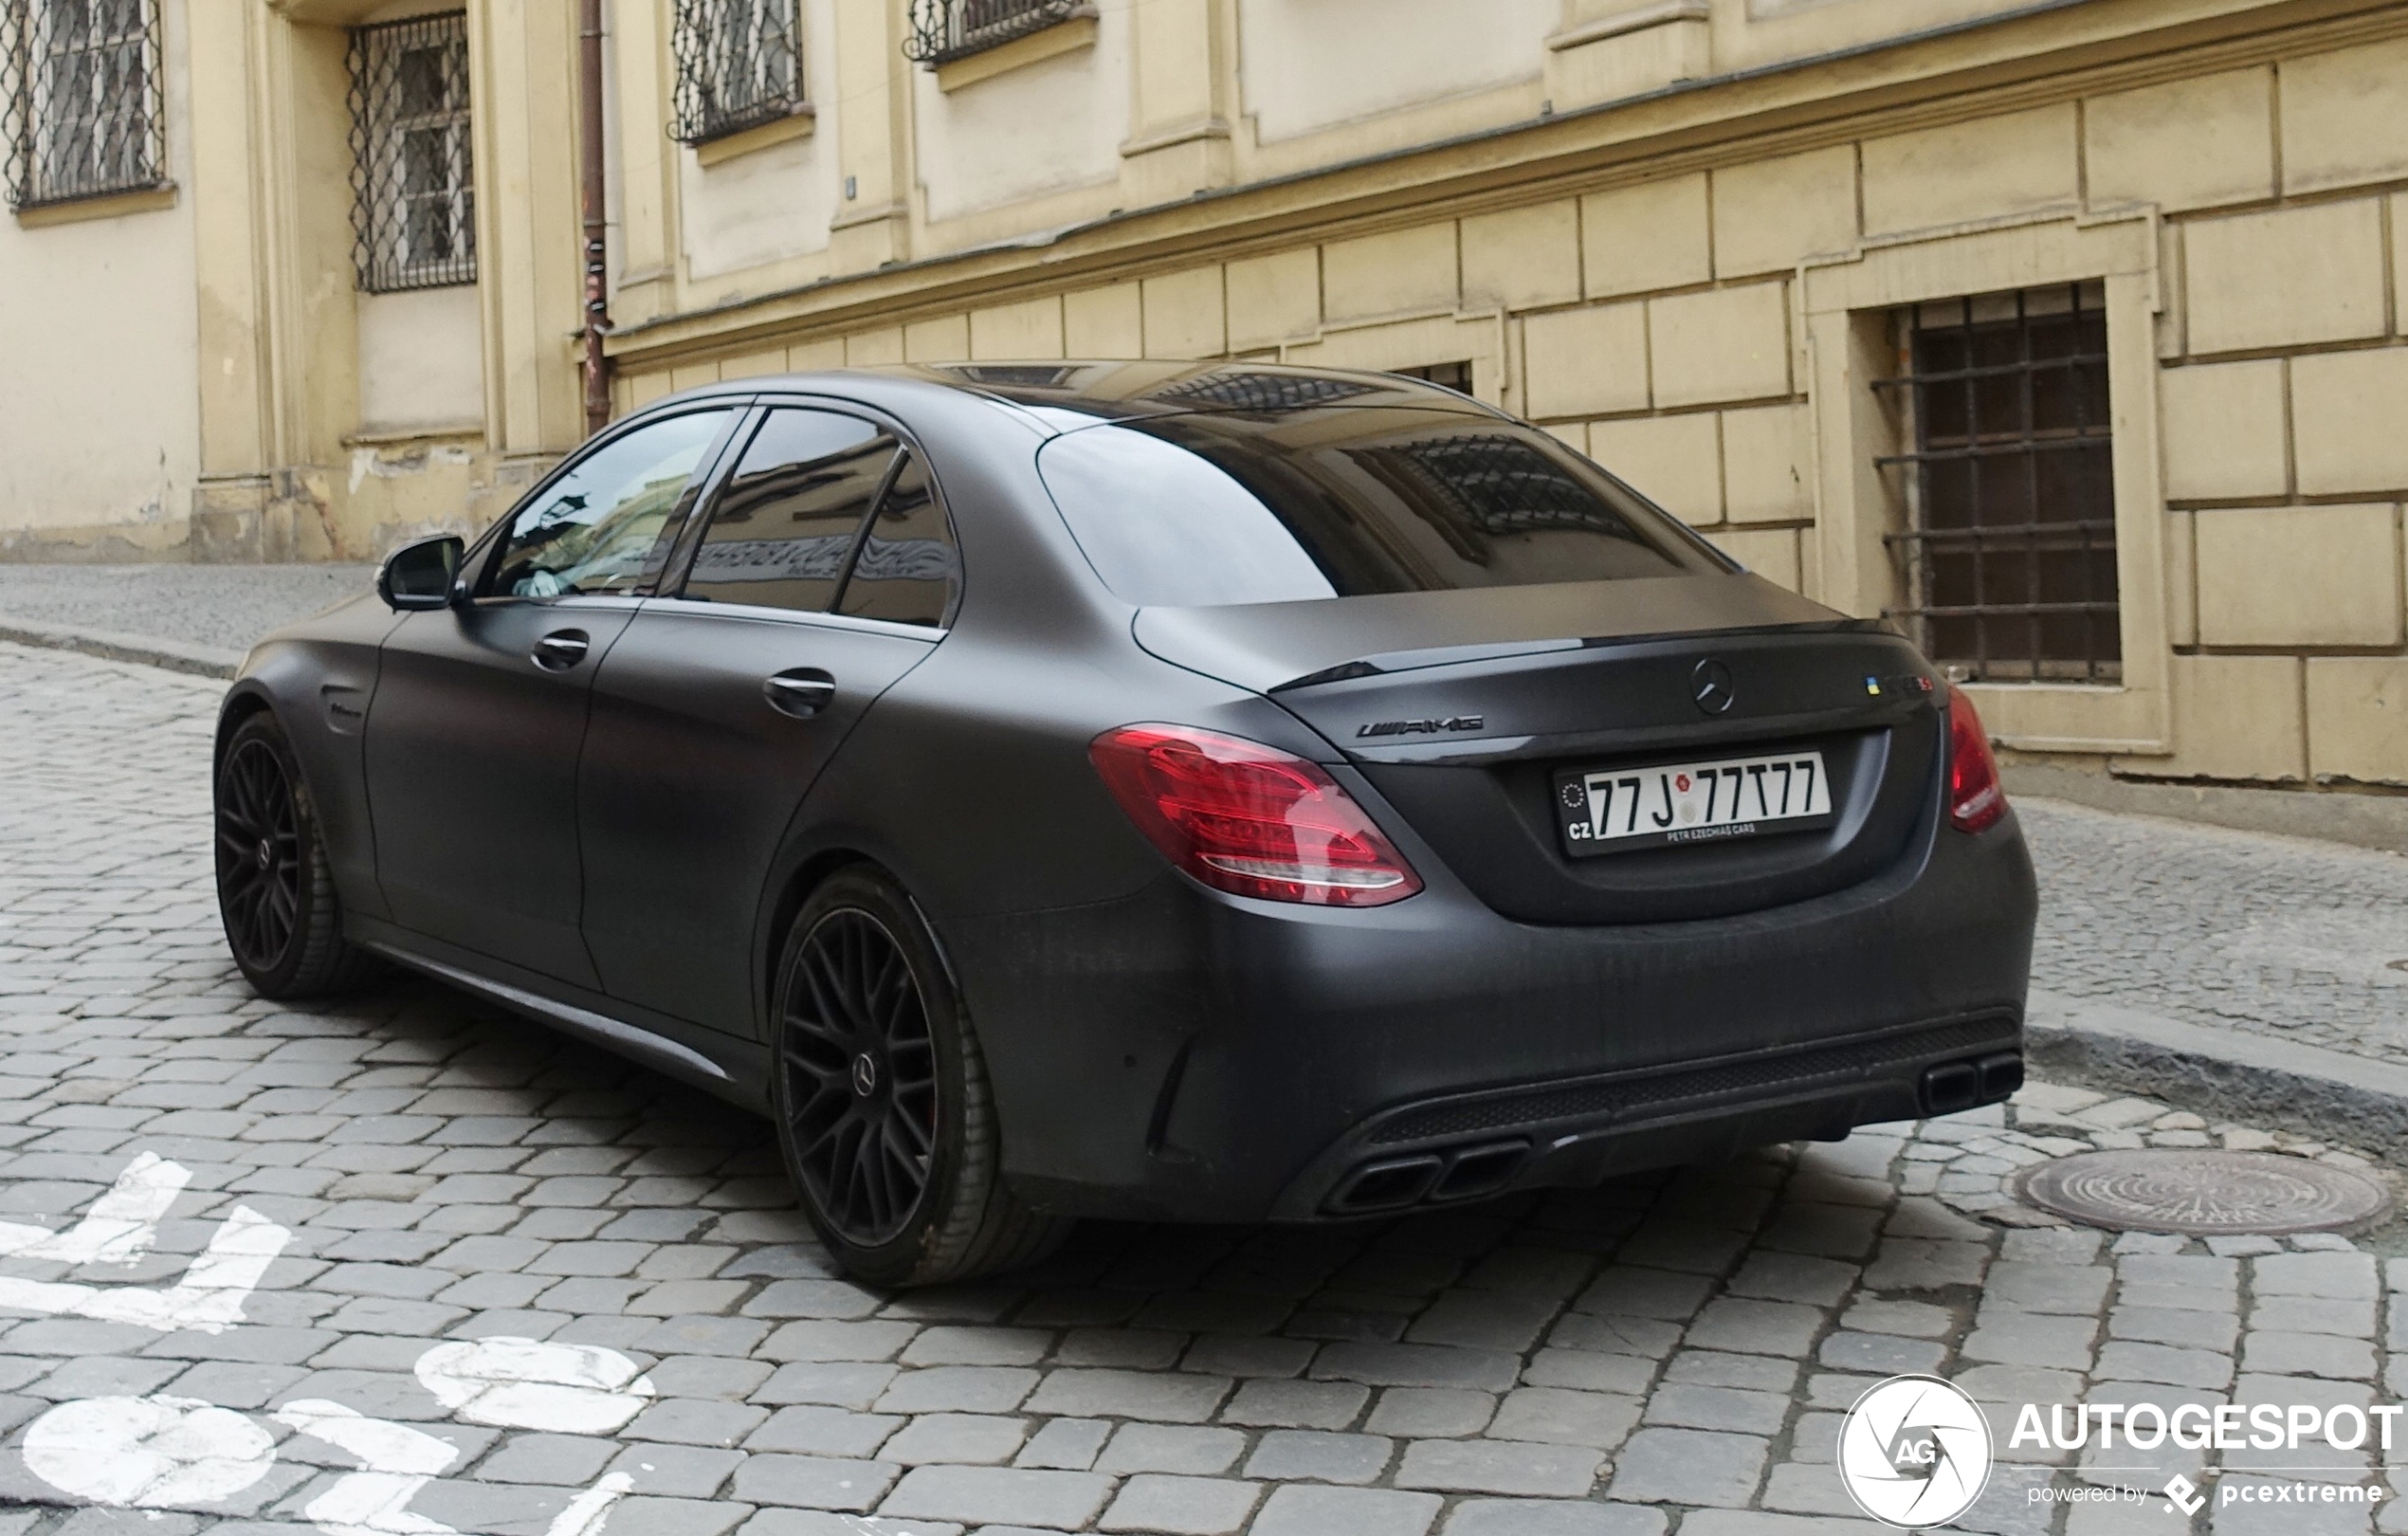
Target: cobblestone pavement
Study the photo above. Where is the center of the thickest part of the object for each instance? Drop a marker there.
(2275, 934)
(225, 606)
(260, 1268)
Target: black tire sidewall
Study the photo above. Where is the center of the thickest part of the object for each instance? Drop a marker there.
(280, 980)
(896, 1261)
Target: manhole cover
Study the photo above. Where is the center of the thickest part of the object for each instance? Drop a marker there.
(2204, 1193)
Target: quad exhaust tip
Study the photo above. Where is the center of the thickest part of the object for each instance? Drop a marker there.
(1430, 1177)
(1961, 1085)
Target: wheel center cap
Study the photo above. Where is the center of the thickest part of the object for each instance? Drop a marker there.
(864, 1074)
(267, 853)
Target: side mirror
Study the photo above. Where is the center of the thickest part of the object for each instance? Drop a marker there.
(420, 575)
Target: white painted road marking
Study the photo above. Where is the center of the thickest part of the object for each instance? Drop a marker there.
(210, 1297)
(520, 1384)
(121, 1225)
(155, 1453)
(400, 1461)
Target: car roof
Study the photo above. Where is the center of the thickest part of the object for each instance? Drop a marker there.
(1120, 390)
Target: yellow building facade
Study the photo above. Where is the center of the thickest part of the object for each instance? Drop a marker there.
(2069, 333)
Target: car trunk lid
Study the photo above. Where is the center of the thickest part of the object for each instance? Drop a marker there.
(1465, 711)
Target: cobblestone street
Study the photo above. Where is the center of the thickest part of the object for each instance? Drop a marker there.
(2272, 935)
(278, 1247)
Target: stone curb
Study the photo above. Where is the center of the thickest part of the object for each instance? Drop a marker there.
(175, 656)
(2220, 1073)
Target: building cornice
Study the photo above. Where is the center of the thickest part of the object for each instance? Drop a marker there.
(2053, 51)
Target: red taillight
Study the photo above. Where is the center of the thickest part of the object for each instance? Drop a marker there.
(1250, 819)
(1975, 800)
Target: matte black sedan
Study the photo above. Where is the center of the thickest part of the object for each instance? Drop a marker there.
(1197, 792)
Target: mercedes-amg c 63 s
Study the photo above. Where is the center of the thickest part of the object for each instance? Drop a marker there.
(1222, 793)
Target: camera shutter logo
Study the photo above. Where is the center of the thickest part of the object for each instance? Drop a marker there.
(1915, 1452)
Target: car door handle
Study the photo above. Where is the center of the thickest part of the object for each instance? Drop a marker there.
(560, 649)
(802, 693)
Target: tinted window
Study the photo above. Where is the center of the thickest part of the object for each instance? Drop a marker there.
(906, 571)
(596, 527)
(784, 526)
(1197, 511)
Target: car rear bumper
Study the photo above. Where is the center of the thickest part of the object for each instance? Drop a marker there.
(1183, 1055)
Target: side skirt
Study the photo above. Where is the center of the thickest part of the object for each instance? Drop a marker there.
(732, 1069)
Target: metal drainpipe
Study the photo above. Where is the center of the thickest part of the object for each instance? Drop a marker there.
(597, 274)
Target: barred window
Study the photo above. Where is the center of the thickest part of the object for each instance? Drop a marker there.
(740, 64)
(947, 29)
(413, 181)
(2007, 553)
(1449, 376)
(85, 117)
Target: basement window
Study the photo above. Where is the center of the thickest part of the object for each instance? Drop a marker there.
(413, 178)
(79, 93)
(943, 30)
(2006, 547)
(1448, 375)
(739, 65)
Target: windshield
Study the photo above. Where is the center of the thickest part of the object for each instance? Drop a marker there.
(1198, 511)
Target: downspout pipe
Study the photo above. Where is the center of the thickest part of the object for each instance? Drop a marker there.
(594, 192)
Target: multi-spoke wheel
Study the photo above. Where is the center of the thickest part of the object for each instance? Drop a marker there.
(861, 1076)
(259, 853)
(880, 1097)
(274, 892)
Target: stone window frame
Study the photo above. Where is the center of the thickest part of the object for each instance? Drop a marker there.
(1845, 305)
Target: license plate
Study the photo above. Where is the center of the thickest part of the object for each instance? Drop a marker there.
(1613, 810)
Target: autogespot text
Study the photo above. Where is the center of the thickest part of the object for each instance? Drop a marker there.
(2193, 1426)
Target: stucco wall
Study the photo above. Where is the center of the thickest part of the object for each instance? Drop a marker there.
(421, 359)
(98, 402)
(1304, 65)
(1049, 126)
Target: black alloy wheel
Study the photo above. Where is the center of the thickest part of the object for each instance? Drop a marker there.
(275, 893)
(259, 855)
(880, 1098)
(861, 1077)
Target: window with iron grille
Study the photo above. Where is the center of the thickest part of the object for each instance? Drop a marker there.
(740, 64)
(1450, 375)
(413, 181)
(84, 113)
(946, 29)
(2007, 553)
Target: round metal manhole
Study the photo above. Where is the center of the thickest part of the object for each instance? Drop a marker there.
(2204, 1193)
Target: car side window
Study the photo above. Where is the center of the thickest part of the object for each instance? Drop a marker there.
(784, 526)
(906, 570)
(593, 528)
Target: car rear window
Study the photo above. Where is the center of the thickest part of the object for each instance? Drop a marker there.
(1197, 511)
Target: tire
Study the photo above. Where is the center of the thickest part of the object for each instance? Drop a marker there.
(880, 1097)
(275, 894)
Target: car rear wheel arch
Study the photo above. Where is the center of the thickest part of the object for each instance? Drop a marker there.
(965, 1220)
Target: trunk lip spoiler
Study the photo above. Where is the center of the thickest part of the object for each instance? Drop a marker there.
(1383, 664)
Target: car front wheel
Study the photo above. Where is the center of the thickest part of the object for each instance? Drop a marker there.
(880, 1095)
(275, 892)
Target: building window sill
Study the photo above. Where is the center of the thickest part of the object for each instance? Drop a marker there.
(1068, 35)
(800, 123)
(100, 206)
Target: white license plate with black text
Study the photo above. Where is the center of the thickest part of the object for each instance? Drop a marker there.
(1610, 811)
